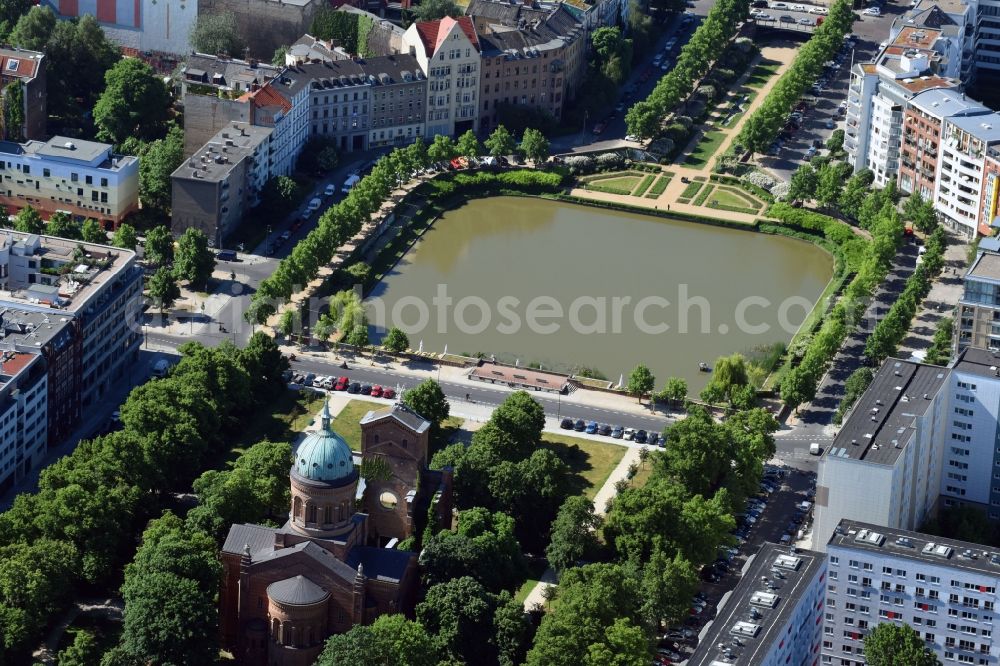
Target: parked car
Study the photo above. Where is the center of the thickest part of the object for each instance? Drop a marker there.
(342, 384)
(872, 11)
(806, 21)
(388, 393)
(779, 5)
(591, 427)
(640, 436)
(355, 387)
(226, 255)
(580, 425)
(785, 18)
(629, 434)
(617, 432)
(366, 389)
(376, 391)
(330, 190)
(599, 128)
(566, 424)
(604, 429)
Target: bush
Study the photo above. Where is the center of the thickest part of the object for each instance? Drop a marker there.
(759, 179)
(579, 164)
(609, 161)
(780, 190)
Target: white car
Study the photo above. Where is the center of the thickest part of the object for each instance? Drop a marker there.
(632, 137)
(799, 8)
(779, 5)
(873, 11)
(330, 190)
(819, 10)
(629, 434)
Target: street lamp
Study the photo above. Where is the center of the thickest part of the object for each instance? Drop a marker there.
(267, 241)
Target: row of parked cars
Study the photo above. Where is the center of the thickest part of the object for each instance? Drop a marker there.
(613, 431)
(332, 383)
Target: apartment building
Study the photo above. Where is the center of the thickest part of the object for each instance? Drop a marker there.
(923, 120)
(78, 306)
(23, 414)
(25, 70)
(773, 617)
(944, 589)
(215, 187)
(211, 87)
(283, 106)
(958, 190)
(880, 93)
(82, 178)
(885, 463)
(978, 310)
(531, 57)
(448, 52)
(398, 92)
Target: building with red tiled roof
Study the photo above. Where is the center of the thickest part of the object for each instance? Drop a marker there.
(448, 50)
(25, 69)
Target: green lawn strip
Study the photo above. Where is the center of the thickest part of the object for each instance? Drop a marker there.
(659, 186)
(683, 200)
(761, 73)
(700, 179)
(591, 462)
(700, 199)
(645, 470)
(643, 186)
(727, 196)
(707, 145)
(691, 190)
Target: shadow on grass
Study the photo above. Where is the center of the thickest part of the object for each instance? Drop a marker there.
(578, 462)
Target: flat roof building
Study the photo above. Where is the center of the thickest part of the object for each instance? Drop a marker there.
(773, 617)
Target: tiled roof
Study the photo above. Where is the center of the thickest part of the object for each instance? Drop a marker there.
(267, 96)
(433, 33)
(20, 64)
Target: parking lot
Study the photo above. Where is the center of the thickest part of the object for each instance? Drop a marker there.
(779, 516)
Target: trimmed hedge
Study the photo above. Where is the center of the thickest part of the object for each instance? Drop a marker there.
(643, 186)
(705, 191)
(659, 187)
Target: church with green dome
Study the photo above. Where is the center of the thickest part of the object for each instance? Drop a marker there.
(334, 564)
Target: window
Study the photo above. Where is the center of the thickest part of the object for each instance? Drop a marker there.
(89, 180)
(12, 65)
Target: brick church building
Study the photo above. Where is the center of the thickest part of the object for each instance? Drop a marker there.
(334, 563)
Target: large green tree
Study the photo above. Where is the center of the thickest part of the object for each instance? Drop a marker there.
(427, 399)
(92, 232)
(63, 225)
(391, 639)
(125, 237)
(430, 10)
(218, 33)
(468, 145)
(193, 260)
(161, 158)
(29, 221)
(574, 534)
(890, 644)
(163, 288)
(135, 103)
(459, 614)
(534, 145)
(641, 381)
(159, 247)
(484, 547)
(500, 142)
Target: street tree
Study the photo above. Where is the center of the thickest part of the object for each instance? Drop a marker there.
(194, 260)
(93, 232)
(640, 381)
(920, 212)
(728, 374)
(125, 237)
(804, 182)
(396, 341)
(675, 391)
(62, 225)
(357, 336)
(159, 247)
(500, 142)
(265, 364)
(468, 145)
(890, 644)
(442, 148)
(534, 145)
(163, 288)
(428, 400)
(217, 33)
(522, 419)
(135, 102)
(28, 221)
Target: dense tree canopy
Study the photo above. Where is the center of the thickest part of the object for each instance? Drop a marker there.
(135, 103)
(890, 644)
(390, 639)
(194, 260)
(218, 33)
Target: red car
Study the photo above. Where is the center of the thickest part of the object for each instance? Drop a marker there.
(376, 391)
(388, 393)
(341, 384)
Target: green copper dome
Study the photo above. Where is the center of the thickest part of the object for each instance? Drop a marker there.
(324, 455)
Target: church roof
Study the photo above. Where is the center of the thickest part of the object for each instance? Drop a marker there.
(380, 563)
(297, 591)
(324, 455)
(401, 413)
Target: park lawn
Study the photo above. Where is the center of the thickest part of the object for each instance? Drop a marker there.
(761, 73)
(644, 185)
(700, 199)
(729, 198)
(691, 190)
(707, 145)
(640, 479)
(347, 423)
(623, 184)
(590, 461)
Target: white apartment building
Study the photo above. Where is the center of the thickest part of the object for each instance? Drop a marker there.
(23, 414)
(448, 52)
(773, 617)
(884, 465)
(945, 589)
(960, 174)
